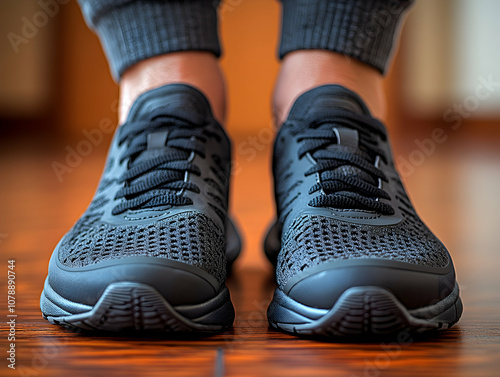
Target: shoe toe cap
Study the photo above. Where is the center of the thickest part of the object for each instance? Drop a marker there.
(179, 283)
(415, 286)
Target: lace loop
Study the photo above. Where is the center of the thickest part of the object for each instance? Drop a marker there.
(153, 180)
(348, 177)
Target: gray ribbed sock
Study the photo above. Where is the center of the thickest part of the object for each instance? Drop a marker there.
(362, 29)
(131, 31)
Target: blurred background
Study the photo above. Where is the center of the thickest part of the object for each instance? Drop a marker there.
(443, 93)
(57, 114)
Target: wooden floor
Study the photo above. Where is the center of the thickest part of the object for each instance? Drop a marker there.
(456, 190)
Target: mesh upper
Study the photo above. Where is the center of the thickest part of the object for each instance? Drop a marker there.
(311, 240)
(192, 238)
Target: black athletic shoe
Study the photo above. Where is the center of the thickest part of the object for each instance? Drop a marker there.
(151, 251)
(352, 256)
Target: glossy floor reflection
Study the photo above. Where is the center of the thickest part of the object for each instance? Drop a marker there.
(455, 190)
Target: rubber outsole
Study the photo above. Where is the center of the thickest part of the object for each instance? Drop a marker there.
(129, 306)
(362, 312)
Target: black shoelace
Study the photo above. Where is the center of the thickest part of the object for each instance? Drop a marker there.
(338, 189)
(160, 181)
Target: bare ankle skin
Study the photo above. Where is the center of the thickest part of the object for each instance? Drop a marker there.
(306, 69)
(198, 69)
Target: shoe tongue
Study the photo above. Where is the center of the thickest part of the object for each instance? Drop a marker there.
(323, 100)
(179, 101)
(322, 103)
(173, 100)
